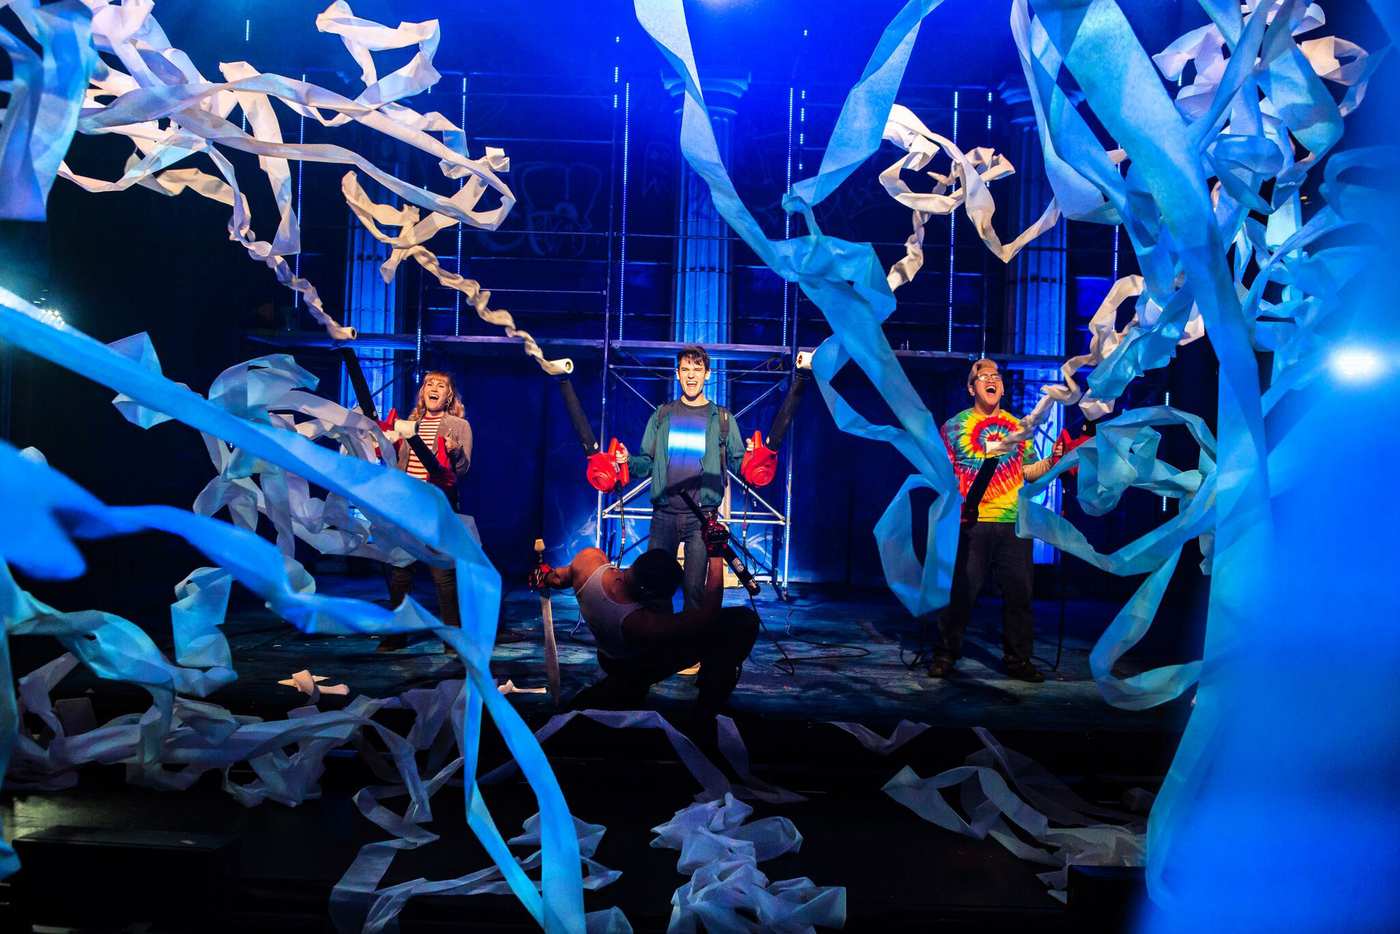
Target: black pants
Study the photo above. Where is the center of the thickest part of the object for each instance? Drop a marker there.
(983, 548)
(668, 529)
(444, 579)
(720, 648)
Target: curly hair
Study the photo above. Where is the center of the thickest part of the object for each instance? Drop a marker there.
(454, 403)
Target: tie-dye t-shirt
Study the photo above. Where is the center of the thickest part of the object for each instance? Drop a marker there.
(967, 435)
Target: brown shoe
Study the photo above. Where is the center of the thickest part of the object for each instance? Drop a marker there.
(393, 642)
(1024, 671)
(941, 667)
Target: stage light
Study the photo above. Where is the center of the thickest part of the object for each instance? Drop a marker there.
(52, 316)
(1356, 365)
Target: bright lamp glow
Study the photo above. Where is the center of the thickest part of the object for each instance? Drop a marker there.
(52, 316)
(1356, 365)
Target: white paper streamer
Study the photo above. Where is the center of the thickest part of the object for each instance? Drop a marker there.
(313, 686)
(170, 112)
(987, 797)
(726, 891)
(713, 782)
(408, 244)
(965, 184)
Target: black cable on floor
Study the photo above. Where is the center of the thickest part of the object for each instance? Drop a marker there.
(788, 663)
(921, 657)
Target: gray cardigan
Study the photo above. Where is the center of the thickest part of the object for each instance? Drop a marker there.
(460, 457)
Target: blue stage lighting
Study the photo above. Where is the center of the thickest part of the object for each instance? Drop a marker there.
(1352, 364)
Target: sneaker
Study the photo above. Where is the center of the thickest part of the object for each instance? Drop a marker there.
(941, 667)
(1024, 671)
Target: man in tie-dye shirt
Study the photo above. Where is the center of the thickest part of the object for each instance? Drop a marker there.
(990, 473)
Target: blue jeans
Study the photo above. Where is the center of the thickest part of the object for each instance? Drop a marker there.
(668, 530)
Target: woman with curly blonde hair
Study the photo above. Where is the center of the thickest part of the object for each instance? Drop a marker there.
(437, 412)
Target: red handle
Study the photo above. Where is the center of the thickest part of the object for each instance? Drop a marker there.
(624, 475)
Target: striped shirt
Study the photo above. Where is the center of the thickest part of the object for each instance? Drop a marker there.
(428, 431)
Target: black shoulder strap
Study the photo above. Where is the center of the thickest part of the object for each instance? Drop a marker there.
(663, 411)
(723, 438)
(979, 488)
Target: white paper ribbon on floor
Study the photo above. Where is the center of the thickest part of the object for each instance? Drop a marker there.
(904, 732)
(727, 892)
(313, 686)
(204, 736)
(987, 797)
(713, 782)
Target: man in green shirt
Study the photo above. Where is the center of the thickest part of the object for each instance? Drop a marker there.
(688, 445)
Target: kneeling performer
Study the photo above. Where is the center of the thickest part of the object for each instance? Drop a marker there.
(641, 640)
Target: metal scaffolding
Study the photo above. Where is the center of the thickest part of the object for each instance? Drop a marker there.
(579, 273)
(768, 367)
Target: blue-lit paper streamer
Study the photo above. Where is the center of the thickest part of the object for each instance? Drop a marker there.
(113, 648)
(272, 390)
(847, 282)
(1180, 238)
(1116, 76)
(46, 94)
(386, 495)
(1123, 455)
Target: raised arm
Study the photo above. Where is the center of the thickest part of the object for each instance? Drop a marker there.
(654, 626)
(573, 575)
(1034, 471)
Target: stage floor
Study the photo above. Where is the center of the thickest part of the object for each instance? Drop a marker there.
(852, 652)
(900, 872)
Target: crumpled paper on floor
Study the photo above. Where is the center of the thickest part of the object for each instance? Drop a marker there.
(727, 892)
(1001, 791)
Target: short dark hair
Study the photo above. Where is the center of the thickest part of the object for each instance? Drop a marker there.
(656, 574)
(693, 352)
